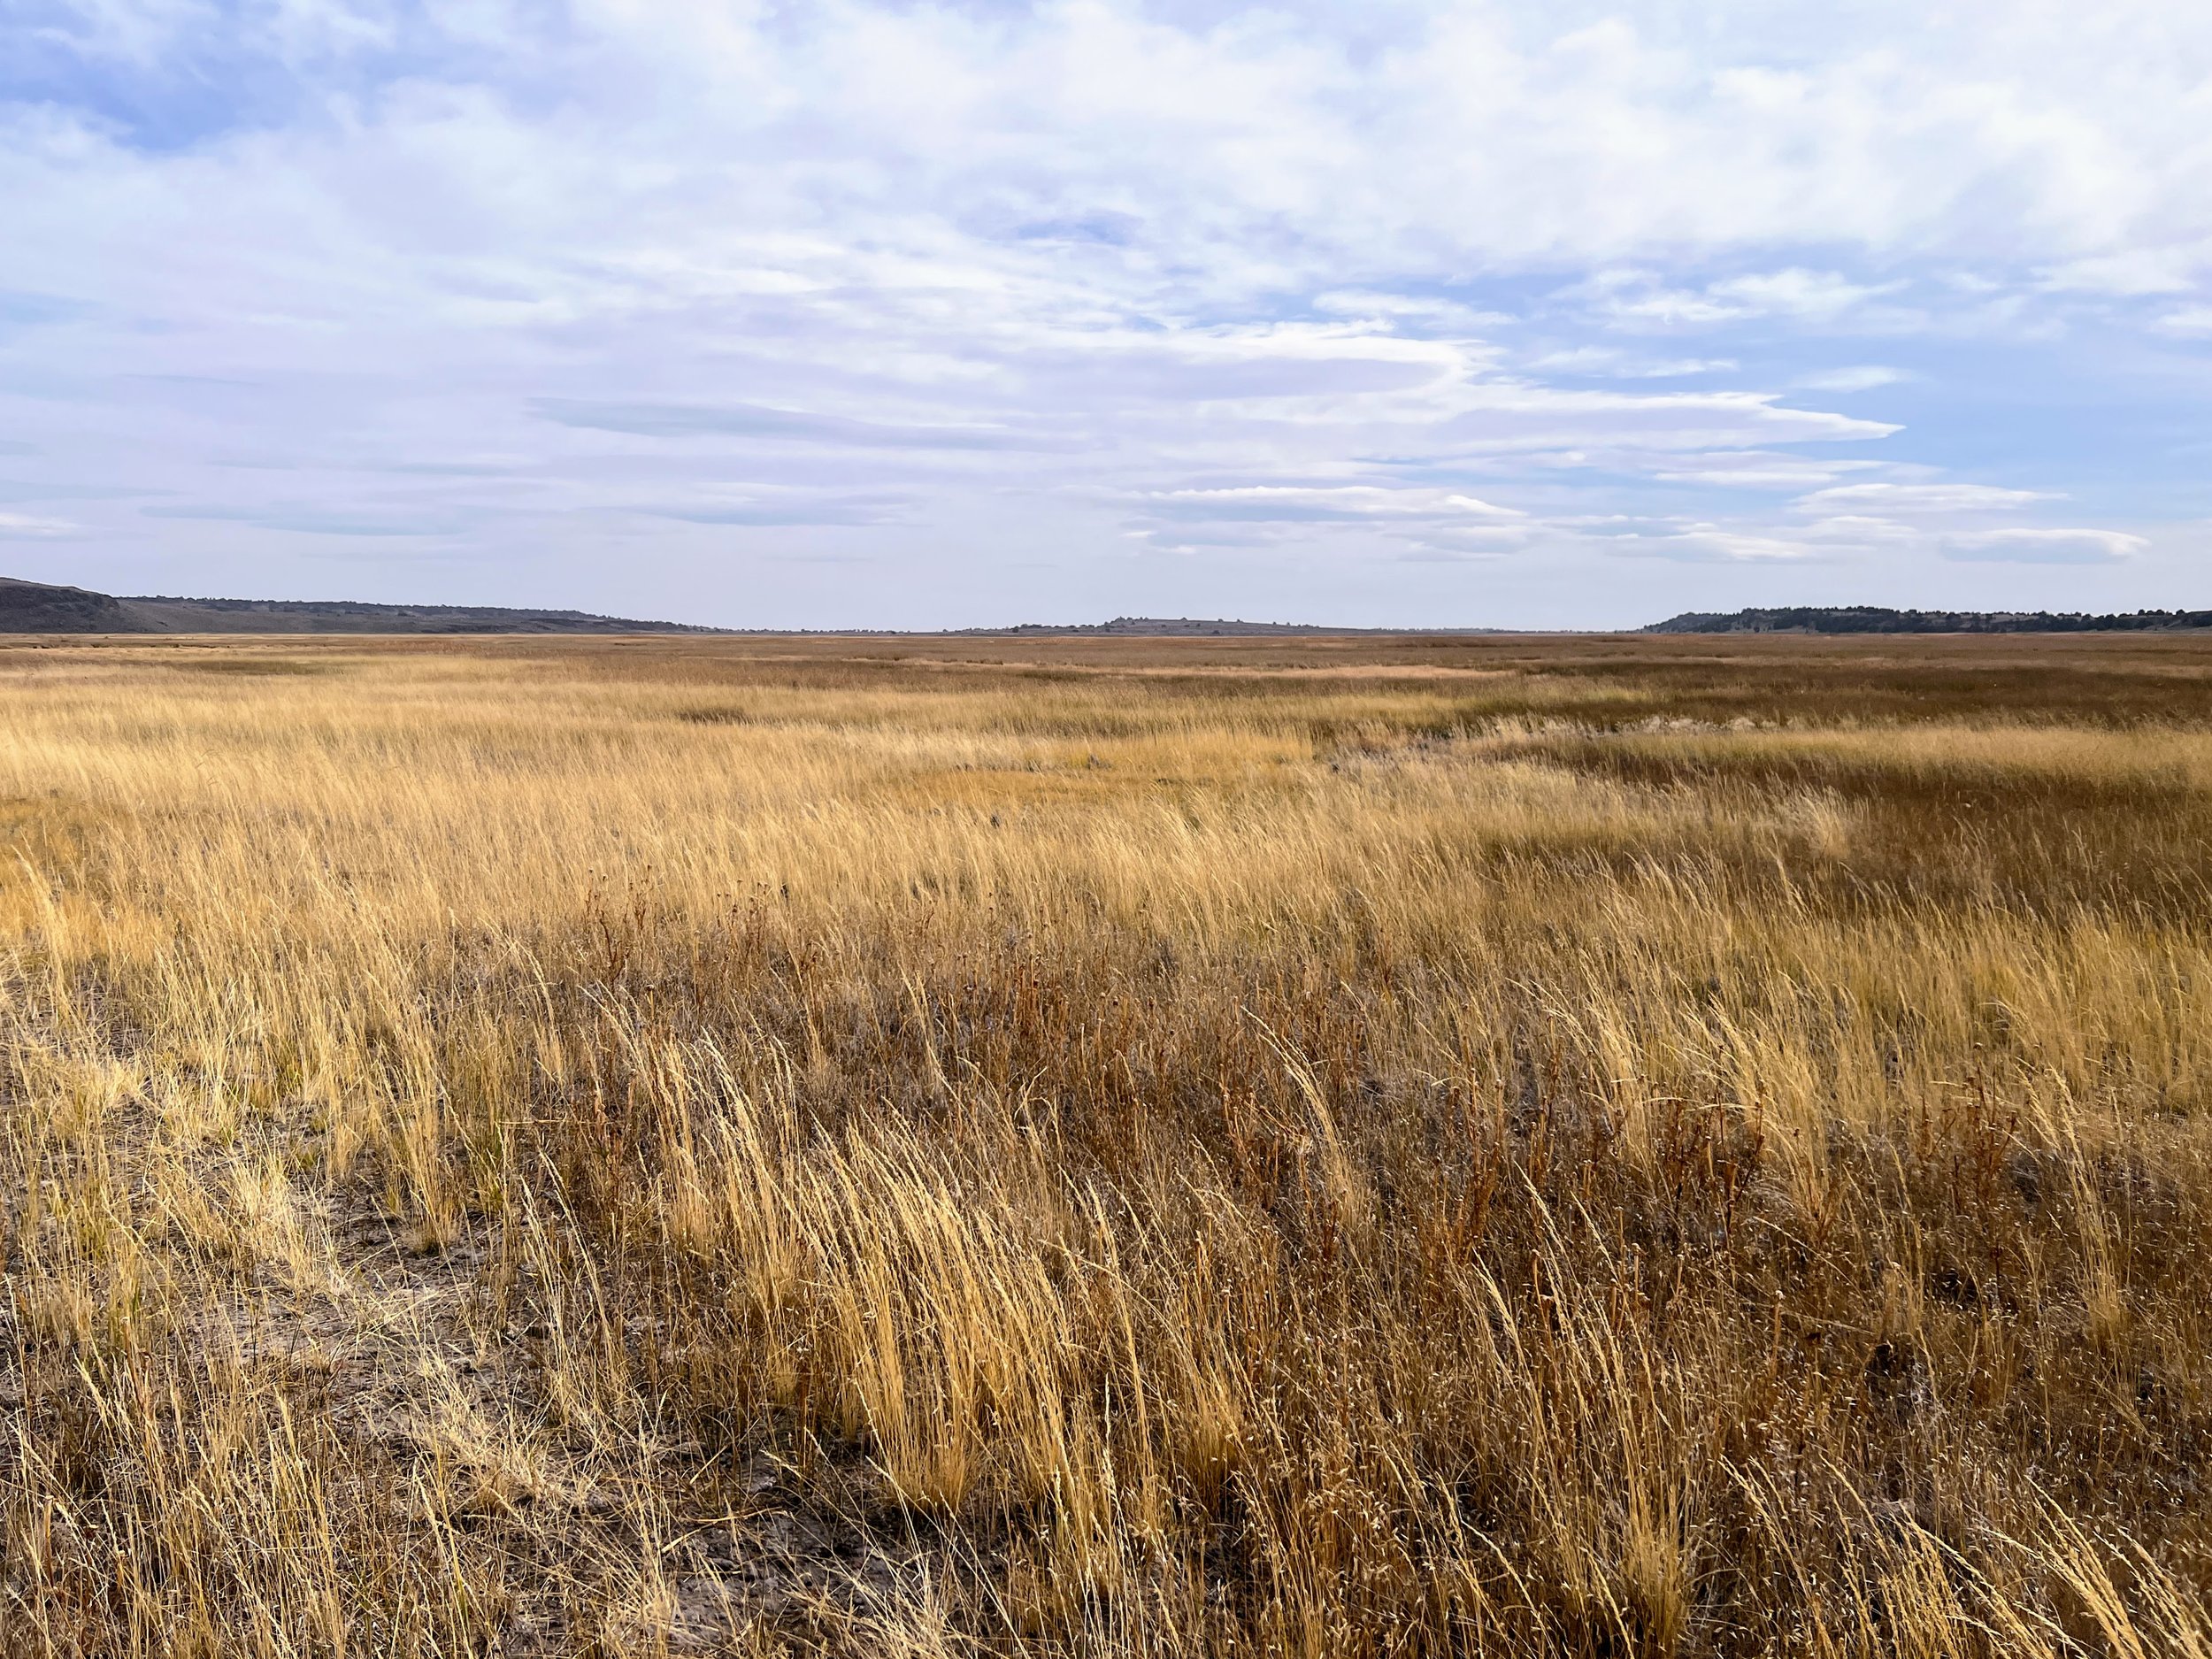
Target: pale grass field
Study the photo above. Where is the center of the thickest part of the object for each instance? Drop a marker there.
(1318, 1148)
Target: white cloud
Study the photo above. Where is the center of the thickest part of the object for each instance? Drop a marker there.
(1755, 469)
(1635, 300)
(1865, 378)
(2043, 546)
(1668, 308)
(1863, 530)
(1846, 535)
(1329, 501)
(1922, 498)
(1410, 310)
(1617, 364)
(1797, 292)
(15, 526)
(2133, 274)
(1706, 542)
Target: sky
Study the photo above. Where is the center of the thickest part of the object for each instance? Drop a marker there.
(874, 313)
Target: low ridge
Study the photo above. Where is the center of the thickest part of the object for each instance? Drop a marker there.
(1181, 627)
(1882, 619)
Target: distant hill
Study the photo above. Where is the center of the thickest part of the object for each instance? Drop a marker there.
(1153, 627)
(1881, 619)
(42, 608)
(1187, 627)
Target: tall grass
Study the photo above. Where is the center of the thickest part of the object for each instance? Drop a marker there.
(1220, 1148)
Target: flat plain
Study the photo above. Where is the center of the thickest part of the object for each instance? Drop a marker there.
(1593, 1147)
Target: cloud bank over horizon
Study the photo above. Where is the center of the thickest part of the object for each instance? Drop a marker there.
(877, 313)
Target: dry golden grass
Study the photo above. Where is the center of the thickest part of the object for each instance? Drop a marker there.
(1621, 1146)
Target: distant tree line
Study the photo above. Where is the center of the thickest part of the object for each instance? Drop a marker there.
(1882, 619)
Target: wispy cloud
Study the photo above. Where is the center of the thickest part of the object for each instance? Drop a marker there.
(1640, 301)
(1763, 469)
(317, 520)
(749, 421)
(1707, 543)
(2043, 546)
(1610, 362)
(1864, 377)
(16, 526)
(1323, 503)
(1922, 498)
(774, 507)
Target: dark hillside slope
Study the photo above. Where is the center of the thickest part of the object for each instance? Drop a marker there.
(41, 608)
(44, 608)
(164, 615)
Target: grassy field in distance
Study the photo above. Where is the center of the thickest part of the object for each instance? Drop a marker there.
(1604, 1146)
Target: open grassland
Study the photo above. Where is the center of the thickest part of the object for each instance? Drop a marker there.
(1602, 1148)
